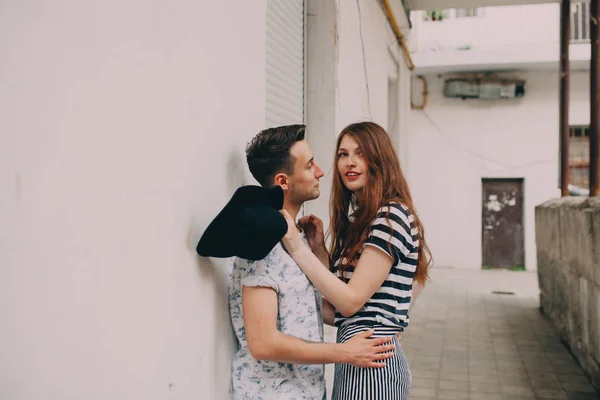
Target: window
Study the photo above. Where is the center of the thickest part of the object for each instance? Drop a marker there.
(580, 22)
(468, 12)
(579, 155)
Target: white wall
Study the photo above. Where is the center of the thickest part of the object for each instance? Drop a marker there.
(476, 139)
(341, 86)
(122, 127)
(337, 86)
(362, 95)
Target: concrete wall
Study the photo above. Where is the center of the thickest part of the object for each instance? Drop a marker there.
(123, 125)
(453, 144)
(568, 249)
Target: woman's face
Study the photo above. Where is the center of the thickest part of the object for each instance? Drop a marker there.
(352, 165)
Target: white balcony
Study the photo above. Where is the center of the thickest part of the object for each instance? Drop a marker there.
(497, 38)
(433, 4)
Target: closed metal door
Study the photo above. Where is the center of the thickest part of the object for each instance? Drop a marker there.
(502, 223)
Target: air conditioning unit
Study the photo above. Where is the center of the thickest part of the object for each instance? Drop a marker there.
(484, 89)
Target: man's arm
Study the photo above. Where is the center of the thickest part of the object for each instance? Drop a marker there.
(265, 342)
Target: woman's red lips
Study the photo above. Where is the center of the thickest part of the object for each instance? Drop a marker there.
(352, 175)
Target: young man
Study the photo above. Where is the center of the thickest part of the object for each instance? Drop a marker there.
(276, 312)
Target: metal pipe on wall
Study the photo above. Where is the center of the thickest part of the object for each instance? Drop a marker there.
(387, 9)
(594, 100)
(565, 35)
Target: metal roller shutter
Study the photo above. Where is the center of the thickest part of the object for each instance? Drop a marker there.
(285, 62)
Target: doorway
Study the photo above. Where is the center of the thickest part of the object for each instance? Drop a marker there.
(502, 223)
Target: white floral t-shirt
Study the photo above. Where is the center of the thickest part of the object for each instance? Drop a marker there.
(300, 315)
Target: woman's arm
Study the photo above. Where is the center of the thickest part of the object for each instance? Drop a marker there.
(368, 276)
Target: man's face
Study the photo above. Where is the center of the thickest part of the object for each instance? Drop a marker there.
(304, 182)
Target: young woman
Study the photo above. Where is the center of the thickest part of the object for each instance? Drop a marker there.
(377, 251)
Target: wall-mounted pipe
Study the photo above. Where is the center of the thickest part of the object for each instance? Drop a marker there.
(401, 41)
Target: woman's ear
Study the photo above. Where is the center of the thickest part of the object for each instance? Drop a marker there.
(282, 180)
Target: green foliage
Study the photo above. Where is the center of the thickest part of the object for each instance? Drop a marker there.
(435, 15)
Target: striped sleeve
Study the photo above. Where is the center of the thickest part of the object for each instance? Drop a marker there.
(393, 231)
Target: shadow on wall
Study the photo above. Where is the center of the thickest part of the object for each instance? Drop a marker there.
(213, 273)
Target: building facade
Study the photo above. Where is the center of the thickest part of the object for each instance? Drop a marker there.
(480, 164)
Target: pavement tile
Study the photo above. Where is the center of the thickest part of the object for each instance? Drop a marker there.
(581, 396)
(554, 385)
(425, 374)
(466, 343)
(551, 394)
(454, 356)
(570, 378)
(507, 380)
(453, 395)
(454, 385)
(423, 392)
(453, 376)
(578, 387)
(484, 387)
(485, 396)
(484, 378)
(417, 381)
(480, 355)
(517, 391)
(429, 359)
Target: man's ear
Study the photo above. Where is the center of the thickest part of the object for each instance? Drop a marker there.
(282, 180)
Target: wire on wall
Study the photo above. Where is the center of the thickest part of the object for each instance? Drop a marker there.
(362, 42)
(461, 150)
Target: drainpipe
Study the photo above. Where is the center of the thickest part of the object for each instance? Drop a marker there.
(594, 101)
(565, 35)
(387, 9)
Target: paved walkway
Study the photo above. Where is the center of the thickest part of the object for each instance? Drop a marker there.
(466, 342)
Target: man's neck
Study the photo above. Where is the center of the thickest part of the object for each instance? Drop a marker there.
(292, 209)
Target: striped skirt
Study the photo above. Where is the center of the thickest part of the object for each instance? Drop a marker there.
(389, 383)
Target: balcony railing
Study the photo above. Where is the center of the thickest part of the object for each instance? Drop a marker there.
(580, 22)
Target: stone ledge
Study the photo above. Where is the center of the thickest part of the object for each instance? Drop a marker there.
(568, 252)
(575, 202)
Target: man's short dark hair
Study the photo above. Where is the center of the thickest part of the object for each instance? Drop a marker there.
(269, 152)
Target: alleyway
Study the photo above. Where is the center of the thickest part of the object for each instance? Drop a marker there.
(466, 342)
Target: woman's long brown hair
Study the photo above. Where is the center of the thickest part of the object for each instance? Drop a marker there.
(385, 184)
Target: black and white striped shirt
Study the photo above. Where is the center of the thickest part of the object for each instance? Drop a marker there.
(397, 237)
